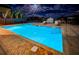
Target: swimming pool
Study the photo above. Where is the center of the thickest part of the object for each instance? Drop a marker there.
(48, 36)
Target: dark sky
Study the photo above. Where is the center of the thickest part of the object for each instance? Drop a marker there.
(46, 10)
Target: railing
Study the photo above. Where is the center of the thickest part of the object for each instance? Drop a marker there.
(12, 20)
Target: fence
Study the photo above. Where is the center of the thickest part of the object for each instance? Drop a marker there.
(12, 21)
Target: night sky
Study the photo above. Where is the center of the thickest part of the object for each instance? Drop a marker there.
(46, 10)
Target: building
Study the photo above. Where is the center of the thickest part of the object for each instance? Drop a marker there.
(50, 20)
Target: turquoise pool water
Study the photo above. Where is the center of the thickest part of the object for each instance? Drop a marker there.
(48, 36)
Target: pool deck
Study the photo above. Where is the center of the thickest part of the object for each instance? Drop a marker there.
(12, 44)
(71, 39)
